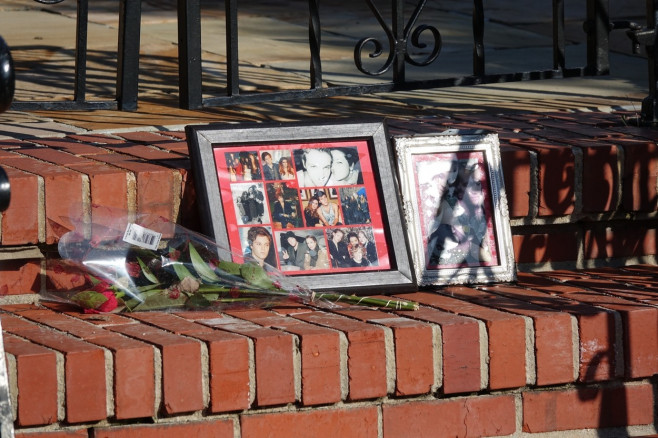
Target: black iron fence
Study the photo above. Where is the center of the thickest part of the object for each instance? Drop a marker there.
(403, 36)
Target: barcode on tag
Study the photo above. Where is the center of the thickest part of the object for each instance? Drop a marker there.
(142, 237)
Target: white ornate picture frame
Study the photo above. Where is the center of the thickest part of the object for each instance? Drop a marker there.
(456, 208)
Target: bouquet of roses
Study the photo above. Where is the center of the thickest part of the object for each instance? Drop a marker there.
(149, 263)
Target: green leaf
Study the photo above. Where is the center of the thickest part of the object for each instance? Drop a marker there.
(147, 272)
(181, 271)
(201, 267)
(131, 304)
(137, 299)
(210, 297)
(148, 287)
(89, 299)
(179, 268)
(255, 275)
(160, 301)
(197, 301)
(231, 268)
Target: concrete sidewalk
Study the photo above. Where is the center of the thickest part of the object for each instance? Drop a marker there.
(274, 55)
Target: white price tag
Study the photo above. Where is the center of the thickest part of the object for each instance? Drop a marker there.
(142, 237)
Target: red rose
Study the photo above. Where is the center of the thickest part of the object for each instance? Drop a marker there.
(174, 293)
(133, 269)
(110, 304)
(107, 306)
(174, 255)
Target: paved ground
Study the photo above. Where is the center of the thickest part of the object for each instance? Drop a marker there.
(274, 55)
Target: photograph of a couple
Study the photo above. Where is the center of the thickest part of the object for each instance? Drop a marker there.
(456, 211)
(302, 250)
(249, 203)
(336, 166)
(277, 165)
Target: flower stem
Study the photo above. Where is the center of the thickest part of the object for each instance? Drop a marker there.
(368, 301)
(210, 289)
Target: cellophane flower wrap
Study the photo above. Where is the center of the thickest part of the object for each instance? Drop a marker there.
(149, 263)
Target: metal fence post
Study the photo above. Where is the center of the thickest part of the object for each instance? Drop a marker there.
(597, 27)
(82, 22)
(130, 15)
(559, 57)
(189, 54)
(315, 42)
(478, 38)
(399, 41)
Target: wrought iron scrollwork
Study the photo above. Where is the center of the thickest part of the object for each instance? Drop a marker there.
(415, 40)
(398, 44)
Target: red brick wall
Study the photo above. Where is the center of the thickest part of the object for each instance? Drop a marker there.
(559, 350)
(579, 179)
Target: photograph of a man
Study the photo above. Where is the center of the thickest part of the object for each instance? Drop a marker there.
(270, 169)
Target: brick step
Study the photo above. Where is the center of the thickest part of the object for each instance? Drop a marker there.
(590, 143)
(577, 177)
(558, 350)
(555, 351)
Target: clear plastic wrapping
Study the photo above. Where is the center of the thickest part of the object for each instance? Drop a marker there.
(148, 263)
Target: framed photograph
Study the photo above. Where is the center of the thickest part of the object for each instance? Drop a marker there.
(456, 208)
(317, 201)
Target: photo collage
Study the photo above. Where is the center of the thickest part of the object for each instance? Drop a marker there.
(303, 208)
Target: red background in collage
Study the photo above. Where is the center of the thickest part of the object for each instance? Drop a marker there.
(234, 225)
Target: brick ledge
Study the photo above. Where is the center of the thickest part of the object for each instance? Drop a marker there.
(490, 357)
